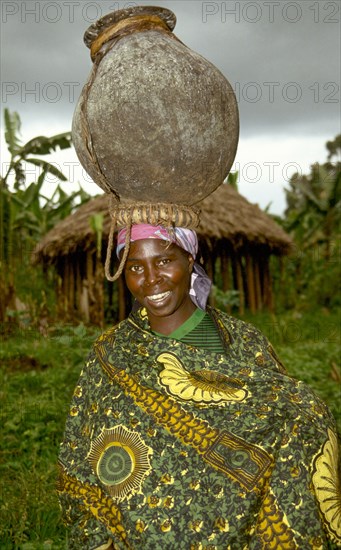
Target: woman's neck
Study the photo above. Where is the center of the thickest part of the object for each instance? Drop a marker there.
(169, 323)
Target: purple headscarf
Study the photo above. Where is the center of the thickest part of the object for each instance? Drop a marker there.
(182, 237)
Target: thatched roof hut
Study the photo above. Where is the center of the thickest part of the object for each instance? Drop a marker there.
(236, 240)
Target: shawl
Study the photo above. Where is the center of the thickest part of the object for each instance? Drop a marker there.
(171, 447)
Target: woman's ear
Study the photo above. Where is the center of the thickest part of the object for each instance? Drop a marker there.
(190, 262)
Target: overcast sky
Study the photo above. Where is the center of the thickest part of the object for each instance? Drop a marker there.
(281, 57)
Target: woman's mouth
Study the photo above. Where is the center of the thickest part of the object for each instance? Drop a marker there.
(158, 298)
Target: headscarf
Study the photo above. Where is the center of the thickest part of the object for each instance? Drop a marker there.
(182, 237)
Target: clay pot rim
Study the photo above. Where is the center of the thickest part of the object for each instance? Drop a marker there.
(95, 30)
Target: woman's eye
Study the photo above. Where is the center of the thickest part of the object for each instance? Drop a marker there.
(135, 268)
(164, 261)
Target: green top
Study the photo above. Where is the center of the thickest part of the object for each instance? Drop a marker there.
(199, 331)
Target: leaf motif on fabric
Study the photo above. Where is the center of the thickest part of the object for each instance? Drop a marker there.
(273, 530)
(204, 387)
(327, 485)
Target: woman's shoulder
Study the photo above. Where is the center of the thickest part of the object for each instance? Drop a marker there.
(250, 340)
(236, 327)
(110, 334)
(247, 338)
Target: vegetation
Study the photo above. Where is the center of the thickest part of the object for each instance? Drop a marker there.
(36, 380)
(41, 359)
(313, 219)
(26, 214)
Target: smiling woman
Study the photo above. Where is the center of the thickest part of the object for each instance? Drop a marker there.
(185, 430)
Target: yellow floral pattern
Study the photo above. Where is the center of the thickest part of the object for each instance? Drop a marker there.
(327, 486)
(203, 386)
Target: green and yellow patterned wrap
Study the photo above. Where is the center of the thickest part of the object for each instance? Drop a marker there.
(170, 447)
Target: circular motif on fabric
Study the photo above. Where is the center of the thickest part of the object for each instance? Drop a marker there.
(328, 485)
(115, 465)
(121, 460)
(204, 386)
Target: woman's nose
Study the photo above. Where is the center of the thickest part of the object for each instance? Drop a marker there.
(152, 275)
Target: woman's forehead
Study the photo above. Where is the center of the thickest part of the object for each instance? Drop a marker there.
(152, 247)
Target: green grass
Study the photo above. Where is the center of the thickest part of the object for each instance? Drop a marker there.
(37, 378)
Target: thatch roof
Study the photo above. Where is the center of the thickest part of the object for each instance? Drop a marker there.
(224, 215)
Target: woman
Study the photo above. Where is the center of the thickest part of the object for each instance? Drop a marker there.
(185, 432)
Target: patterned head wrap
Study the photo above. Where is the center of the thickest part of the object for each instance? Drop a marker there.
(182, 237)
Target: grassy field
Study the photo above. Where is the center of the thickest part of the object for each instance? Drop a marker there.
(37, 378)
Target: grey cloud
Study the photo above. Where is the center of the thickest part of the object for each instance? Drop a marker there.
(281, 57)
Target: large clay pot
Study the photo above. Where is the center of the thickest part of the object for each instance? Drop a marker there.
(155, 122)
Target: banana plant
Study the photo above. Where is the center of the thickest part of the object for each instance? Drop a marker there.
(313, 218)
(25, 213)
(314, 205)
(40, 145)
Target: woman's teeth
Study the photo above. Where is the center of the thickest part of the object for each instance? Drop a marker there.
(158, 297)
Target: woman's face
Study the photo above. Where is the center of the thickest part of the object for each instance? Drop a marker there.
(158, 275)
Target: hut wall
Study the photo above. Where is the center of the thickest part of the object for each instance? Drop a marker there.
(257, 280)
(226, 272)
(267, 285)
(61, 287)
(240, 282)
(250, 283)
(246, 270)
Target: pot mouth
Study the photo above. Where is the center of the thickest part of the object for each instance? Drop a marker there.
(102, 24)
(167, 214)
